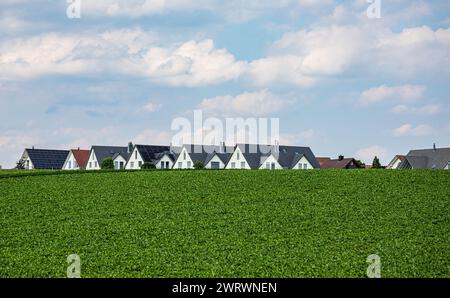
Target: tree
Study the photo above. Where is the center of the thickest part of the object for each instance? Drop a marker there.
(148, 166)
(107, 164)
(20, 165)
(360, 164)
(198, 165)
(376, 163)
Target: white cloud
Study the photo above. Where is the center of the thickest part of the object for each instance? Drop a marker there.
(129, 52)
(303, 58)
(404, 94)
(151, 107)
(250, 103)
(367, 154)
(153, 136)
(411, 130)
(431, 109)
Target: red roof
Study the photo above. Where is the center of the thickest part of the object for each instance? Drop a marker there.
(328, 163)
(82, 157)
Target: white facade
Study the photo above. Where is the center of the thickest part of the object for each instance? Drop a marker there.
(119, 162)
(165, 163)
(135, 161)
(270, 163)
(215, 163)
(237, 161)
(448, 166)
(183, 161)
(92, 163)
(394, 163)
(71, 164)
(303, 164)
(27, 163)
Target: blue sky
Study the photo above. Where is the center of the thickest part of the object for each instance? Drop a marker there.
(339, 81)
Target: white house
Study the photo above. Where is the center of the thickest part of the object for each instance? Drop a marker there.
(99, 153)
(141, 154)
(268, 157)
(165, 161)
(44, 159)
(396, 161)
(76, 160)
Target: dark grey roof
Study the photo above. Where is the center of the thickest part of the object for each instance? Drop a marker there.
(204, 153)
(287, 156)
(224, 157)
(427, 159)
(102, 152)
(171, 155)
(45, 159)
(149, 153)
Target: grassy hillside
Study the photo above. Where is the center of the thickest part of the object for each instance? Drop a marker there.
(226, 223)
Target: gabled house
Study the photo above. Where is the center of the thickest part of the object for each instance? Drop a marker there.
(99, 153)
(340, 163)
(44, 159)
(190, 154)
(436, 158)
(268, 157)
(76, 160)
(165, 160)
(395, 162)
(146, 154)
(217, 160)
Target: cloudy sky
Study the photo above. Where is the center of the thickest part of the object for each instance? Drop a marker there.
(339, 81)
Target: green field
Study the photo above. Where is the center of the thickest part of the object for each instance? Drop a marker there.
(226, 223)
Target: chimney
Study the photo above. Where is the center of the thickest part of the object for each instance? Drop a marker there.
(341, 157)
(78, 148)
(222, 147)
(130, 147)
(434, 146)
(32, 148)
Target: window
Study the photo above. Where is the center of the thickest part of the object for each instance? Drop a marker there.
(305, 166)
(215, 165)
(189, 164)
(116, 165)
(243, 165)
(28, 164)
(162, 165)
(448, 167)
(180, 165)
(267, 165)
(300, 166)
(90, 164)
(70, 164)
(238, 155)
(233, 165)
(95, 164)
(140, 164)
(273, 166)
(135, 154)
(75, 165)
(167, 165)
(184, 155)
(132, 164)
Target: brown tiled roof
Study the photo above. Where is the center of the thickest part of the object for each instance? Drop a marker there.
(328, 163)
(81, 156)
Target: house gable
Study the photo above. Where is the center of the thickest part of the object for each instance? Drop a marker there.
(216, 161)
(70, 163)
(303, 164)
(184, 160)
(237, 161)
(27, 162)
(270, 163)
(135, 161)
(165, 162)
(92, 163)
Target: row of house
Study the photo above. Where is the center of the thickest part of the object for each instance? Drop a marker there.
(132, 157)
(240, 156)
(435, 158)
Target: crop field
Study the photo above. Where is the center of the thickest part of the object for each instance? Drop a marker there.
(226, 223)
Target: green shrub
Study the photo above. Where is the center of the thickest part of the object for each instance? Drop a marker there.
(148, 166)
(198, 165)
(107, 164)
